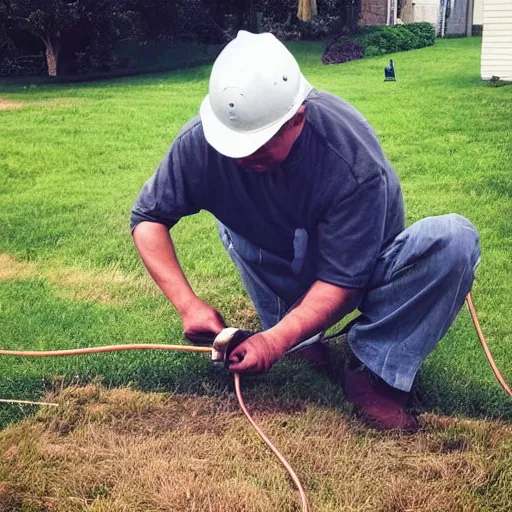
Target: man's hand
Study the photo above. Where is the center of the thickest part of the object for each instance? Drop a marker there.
(256, 354)
(201, 320)
(323, 305)
(154, 244)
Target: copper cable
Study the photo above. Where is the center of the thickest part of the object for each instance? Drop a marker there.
(266, 440)
(494, 368)
(109, 348)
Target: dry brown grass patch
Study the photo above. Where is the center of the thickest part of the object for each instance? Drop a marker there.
(123, 450)
(10, 105)
(110, 286)
(244, 315)
(12, 269)
(107, 286)
(16, 105)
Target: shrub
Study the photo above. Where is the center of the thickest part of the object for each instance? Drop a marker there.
(390, 39)
(370, 51)
(424, 31)
(396, 38)
(22, 65)
(372, 41)
(342, 50)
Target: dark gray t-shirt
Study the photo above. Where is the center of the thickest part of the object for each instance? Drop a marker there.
(336, 185)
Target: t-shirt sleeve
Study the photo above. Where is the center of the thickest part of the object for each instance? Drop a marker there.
(351, 234)
(173, 191)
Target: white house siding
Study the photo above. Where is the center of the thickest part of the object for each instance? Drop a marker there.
(433, 10)
(497, 40)
(478, 12)
(426, 10)
(421, 10)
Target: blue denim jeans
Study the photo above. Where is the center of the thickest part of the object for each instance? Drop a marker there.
(415, 292)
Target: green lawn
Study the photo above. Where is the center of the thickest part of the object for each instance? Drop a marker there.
(73, 159)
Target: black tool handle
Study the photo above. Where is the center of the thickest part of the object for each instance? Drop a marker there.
(201, 338)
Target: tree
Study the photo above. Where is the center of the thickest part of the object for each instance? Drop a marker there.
(46, 19)
(5, 42)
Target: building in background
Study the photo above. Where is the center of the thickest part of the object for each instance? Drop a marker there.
(455, 18)
(376, 12)
(450, 17)
(421, 10)
(497, 40)
(478, 14)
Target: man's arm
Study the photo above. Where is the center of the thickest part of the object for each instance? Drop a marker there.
(156, 249)
(322, 306)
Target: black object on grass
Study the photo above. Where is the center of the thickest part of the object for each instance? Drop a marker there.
(389, 72)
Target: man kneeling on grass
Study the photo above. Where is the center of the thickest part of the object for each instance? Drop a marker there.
(311, 213)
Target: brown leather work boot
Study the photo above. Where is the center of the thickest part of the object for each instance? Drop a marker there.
(376, 402)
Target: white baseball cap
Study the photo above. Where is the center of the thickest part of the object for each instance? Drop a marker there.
(255, 87)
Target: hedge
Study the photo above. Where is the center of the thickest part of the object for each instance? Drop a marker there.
(396, 38)
(380, 40)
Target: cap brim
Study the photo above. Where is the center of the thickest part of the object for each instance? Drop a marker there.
(236, 144)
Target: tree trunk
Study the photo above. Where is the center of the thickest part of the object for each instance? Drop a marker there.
(52, 56)
(253, 18)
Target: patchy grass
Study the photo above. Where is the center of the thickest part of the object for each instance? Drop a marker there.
(15, 105)
(109, 286)
(10, 105)
(72, 162)
(123, 450)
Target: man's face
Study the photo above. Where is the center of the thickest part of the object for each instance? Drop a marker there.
(275, 151)
(271, 154)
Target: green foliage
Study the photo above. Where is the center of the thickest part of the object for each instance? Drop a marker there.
(379, 41)
(85, 33)
(161, 55)
(387, 39)
(5, 41)
(22, 65)
(280, 18)
(396, 38)
(342, 50)
(424, 31)
(8, 52)
(205, 23)
(56, 21)
(45, 18)
(217, 21)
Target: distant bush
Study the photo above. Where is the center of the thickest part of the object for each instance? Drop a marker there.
(342, 50)
(22, 65)
(396, 38)
(425, 32)
(388, 39)
(378, 41)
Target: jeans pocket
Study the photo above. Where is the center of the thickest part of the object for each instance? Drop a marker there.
(245, 249)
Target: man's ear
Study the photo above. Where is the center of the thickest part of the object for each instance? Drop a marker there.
(300, 115)
(296, 120)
